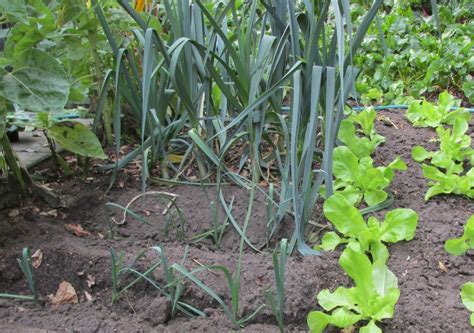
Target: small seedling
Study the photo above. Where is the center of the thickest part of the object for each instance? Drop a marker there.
(357, 179)
(216, 233)
(173, 289)
(365, 145)
(459, 246)
(277, 303)
(25, 265)
(425, 114)
(448, 182)
(233, 279)
(399, 224)
(454, 149)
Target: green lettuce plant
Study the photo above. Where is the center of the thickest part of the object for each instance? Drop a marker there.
(454, 149)
(459, 246)
(399, 224)
(467, 298)
(357, 179)
(365, 119)
(448, 182)
(448, 173)
(373, 297)
(364, 145)
(426, 114)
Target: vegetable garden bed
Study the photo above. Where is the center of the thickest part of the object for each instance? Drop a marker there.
(429, 278)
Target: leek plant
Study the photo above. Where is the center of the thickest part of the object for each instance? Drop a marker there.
(172, 288)
(26, 268)
(222, 76)
(277, 303)
(233, 278)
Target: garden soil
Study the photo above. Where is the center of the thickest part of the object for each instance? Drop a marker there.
(429, 278)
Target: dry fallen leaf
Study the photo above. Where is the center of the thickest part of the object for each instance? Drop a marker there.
(442, 267)
(77, 230)
(349, 329)
(37, 258)
(52, 213)
(88, 296)
(100, 235)
(90, 280)
(65, 294)
(14, 213)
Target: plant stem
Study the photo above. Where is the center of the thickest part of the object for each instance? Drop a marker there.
(235, 298)
(12, 162)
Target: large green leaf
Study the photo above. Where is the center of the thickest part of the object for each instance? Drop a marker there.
(384, 279)
(375, 197)
(76, 138)
(384, 307)
(345, 164)
(358, 266)
(317, 321)
(342, 317)
(399, 224)
(37, 83)
(15, 9)
(346, 218)
(456, 246)
(340, 297)
(330, 241)
(420, 154)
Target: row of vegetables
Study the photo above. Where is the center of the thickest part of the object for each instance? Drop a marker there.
(357, 182)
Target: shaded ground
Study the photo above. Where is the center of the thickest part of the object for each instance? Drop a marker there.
(429, 300)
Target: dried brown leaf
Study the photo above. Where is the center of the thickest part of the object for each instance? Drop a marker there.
(65, 294)
(442, 267)
(14, 213)
(88, 296)
(37, 258)
(90, 281)
(77, 230)
(52, 213)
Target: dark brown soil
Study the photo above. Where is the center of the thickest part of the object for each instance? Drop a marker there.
(429, 300)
